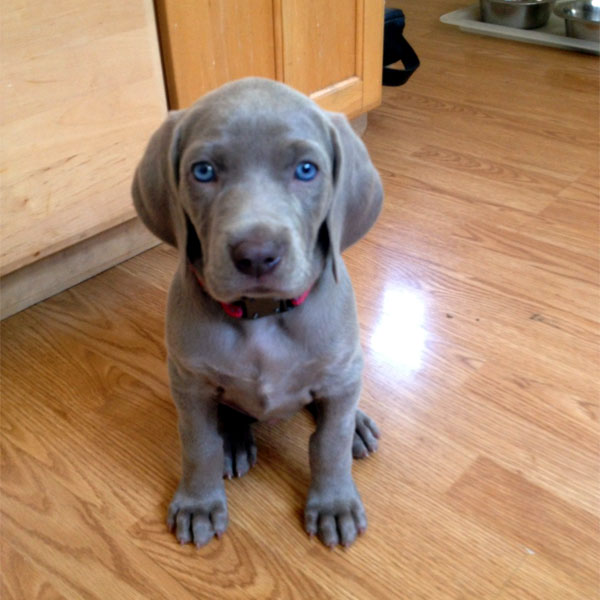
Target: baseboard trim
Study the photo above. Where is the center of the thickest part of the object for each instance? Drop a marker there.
(49, 276)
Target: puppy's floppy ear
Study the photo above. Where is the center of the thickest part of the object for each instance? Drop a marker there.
(358, 193)
(154, 188)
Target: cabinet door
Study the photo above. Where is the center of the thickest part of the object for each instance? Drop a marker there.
(206, 44)
(332, 51)
(328, 49)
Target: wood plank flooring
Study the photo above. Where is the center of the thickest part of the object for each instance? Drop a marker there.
(478, 301)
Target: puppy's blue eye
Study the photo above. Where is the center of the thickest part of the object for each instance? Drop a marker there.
(203, 171)
(306, 171)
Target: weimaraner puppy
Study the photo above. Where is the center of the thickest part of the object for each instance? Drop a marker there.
(261, 190)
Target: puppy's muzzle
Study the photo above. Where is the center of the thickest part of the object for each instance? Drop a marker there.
(258, 253)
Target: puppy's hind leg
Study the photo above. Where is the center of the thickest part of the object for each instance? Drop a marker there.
(239, 446)
(366, 433)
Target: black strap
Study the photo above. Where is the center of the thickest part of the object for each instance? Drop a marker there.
(396, 48)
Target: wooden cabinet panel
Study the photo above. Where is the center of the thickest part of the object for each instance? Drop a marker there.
(205, 44)
(82, 92)
(329, 49)
(320, 43)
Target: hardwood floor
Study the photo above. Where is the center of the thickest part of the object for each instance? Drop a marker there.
(478, 301)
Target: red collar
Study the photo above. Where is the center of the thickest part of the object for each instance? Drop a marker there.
(255, 308)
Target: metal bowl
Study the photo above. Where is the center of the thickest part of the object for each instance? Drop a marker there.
(582, 18)
(523, 14)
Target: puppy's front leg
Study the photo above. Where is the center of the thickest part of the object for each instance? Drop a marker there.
(334, 510)
(198, 510)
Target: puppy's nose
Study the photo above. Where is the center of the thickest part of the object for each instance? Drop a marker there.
(257, 257)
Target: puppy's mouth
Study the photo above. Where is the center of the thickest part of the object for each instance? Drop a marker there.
(258, 290)
(254, 288)
(261, 292)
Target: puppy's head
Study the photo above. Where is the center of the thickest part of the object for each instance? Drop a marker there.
(256, 185)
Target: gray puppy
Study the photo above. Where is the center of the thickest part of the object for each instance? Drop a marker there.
(261, 190)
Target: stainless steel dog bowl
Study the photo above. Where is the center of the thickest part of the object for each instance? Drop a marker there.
(523, 14)
(582, 18)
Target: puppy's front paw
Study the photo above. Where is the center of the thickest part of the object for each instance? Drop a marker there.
(198, 520)
(336, 514)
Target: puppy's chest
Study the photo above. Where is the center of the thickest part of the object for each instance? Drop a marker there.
(265, 373)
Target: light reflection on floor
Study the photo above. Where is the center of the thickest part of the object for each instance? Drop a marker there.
(399, 337)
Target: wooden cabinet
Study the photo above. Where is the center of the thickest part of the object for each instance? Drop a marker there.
(83, 90)
(328, 49)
